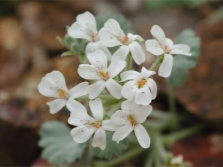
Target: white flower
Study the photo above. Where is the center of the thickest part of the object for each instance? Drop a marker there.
(87, 125)
(53, 85)
(85, 28)
(112, 35)
(130, 118)
(177, 160)
(162, 45)
(140, 88)
(99, 71)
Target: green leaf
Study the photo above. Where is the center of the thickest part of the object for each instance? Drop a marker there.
(67, 53)
(62, 42)
(124, 23)
(181, 63)
(216, 15)
(158, 4)
(112, 148)
(58, 145)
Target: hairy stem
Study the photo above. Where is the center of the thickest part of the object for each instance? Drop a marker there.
(157, 63)
(129, 62)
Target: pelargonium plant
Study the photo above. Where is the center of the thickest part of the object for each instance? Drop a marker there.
(119, 97)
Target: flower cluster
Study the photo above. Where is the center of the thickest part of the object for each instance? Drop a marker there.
(110, 75)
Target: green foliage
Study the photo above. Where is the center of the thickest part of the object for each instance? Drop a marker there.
(181, 63)
(75, 46)
(157, 4)
(216, 15)
(124, 23)
(58, 145)
(112, 148)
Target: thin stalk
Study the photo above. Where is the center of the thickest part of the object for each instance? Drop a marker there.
(129, 62)
(174, 121)
(157, 63)
(124, 157)
(168, 140)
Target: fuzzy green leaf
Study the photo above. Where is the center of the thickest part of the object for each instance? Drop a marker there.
(181, 63)
(124, 23)
(67, 53)
(58, 145)
(112, 148)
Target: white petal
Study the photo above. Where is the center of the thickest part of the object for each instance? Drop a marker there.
(56, 105)
(47, 88)
(181, 49)
(142, 136)
(116, 66)
(79, 90)
(87, 71)
(122, 52)
(130, 106)
(109, 126)
(154, 47)
(130, 75)
(129, 90)
(137, 53)
(119, 118)
(102, 47)
(95, 89)
(158, 33)
(96, 109)
(114, 88)
(73, 105)
(82, 133)
(58, 79)
(122, 133)
(143, 96)
(142, 113)
(98, 59)
(99, 139)
(77, 30)
(146, 73)
(108, 39)
(153, 87)
(91, 47)
(134, 37)
(168, 43)
(114, 28)
(88, 20)
(79, 118)
(166, 66)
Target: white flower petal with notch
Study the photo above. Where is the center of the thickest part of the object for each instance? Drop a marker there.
(56, 105)
(154, 47)
(166, 66)
(87, 71)
(142, 136)
(137, 53)
(99, 139)
(81, 134)
(158, 33)
(96, 109)
(143, 96)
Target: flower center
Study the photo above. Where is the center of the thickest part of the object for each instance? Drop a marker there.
(124, 40)
(166, 49)
(141, 83)
(132, 120)
(62, 94)
(104, 75)
(94, 37)
(96, 124)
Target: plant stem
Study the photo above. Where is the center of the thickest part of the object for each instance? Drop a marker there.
(168, 140)
(127, 155)
(129, 62)
(157, 63)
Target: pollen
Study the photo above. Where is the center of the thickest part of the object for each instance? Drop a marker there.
(124, 40)
(132, 120)
(62, 93)
(96, 124)
(141, 83)
(104, 75)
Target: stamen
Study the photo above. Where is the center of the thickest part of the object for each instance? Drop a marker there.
(141, 83)
(62, 94)
(104, 75)
(96, 124)
(132, 120)
(124, 40)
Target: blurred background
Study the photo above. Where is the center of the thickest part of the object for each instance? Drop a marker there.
(29, 50)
